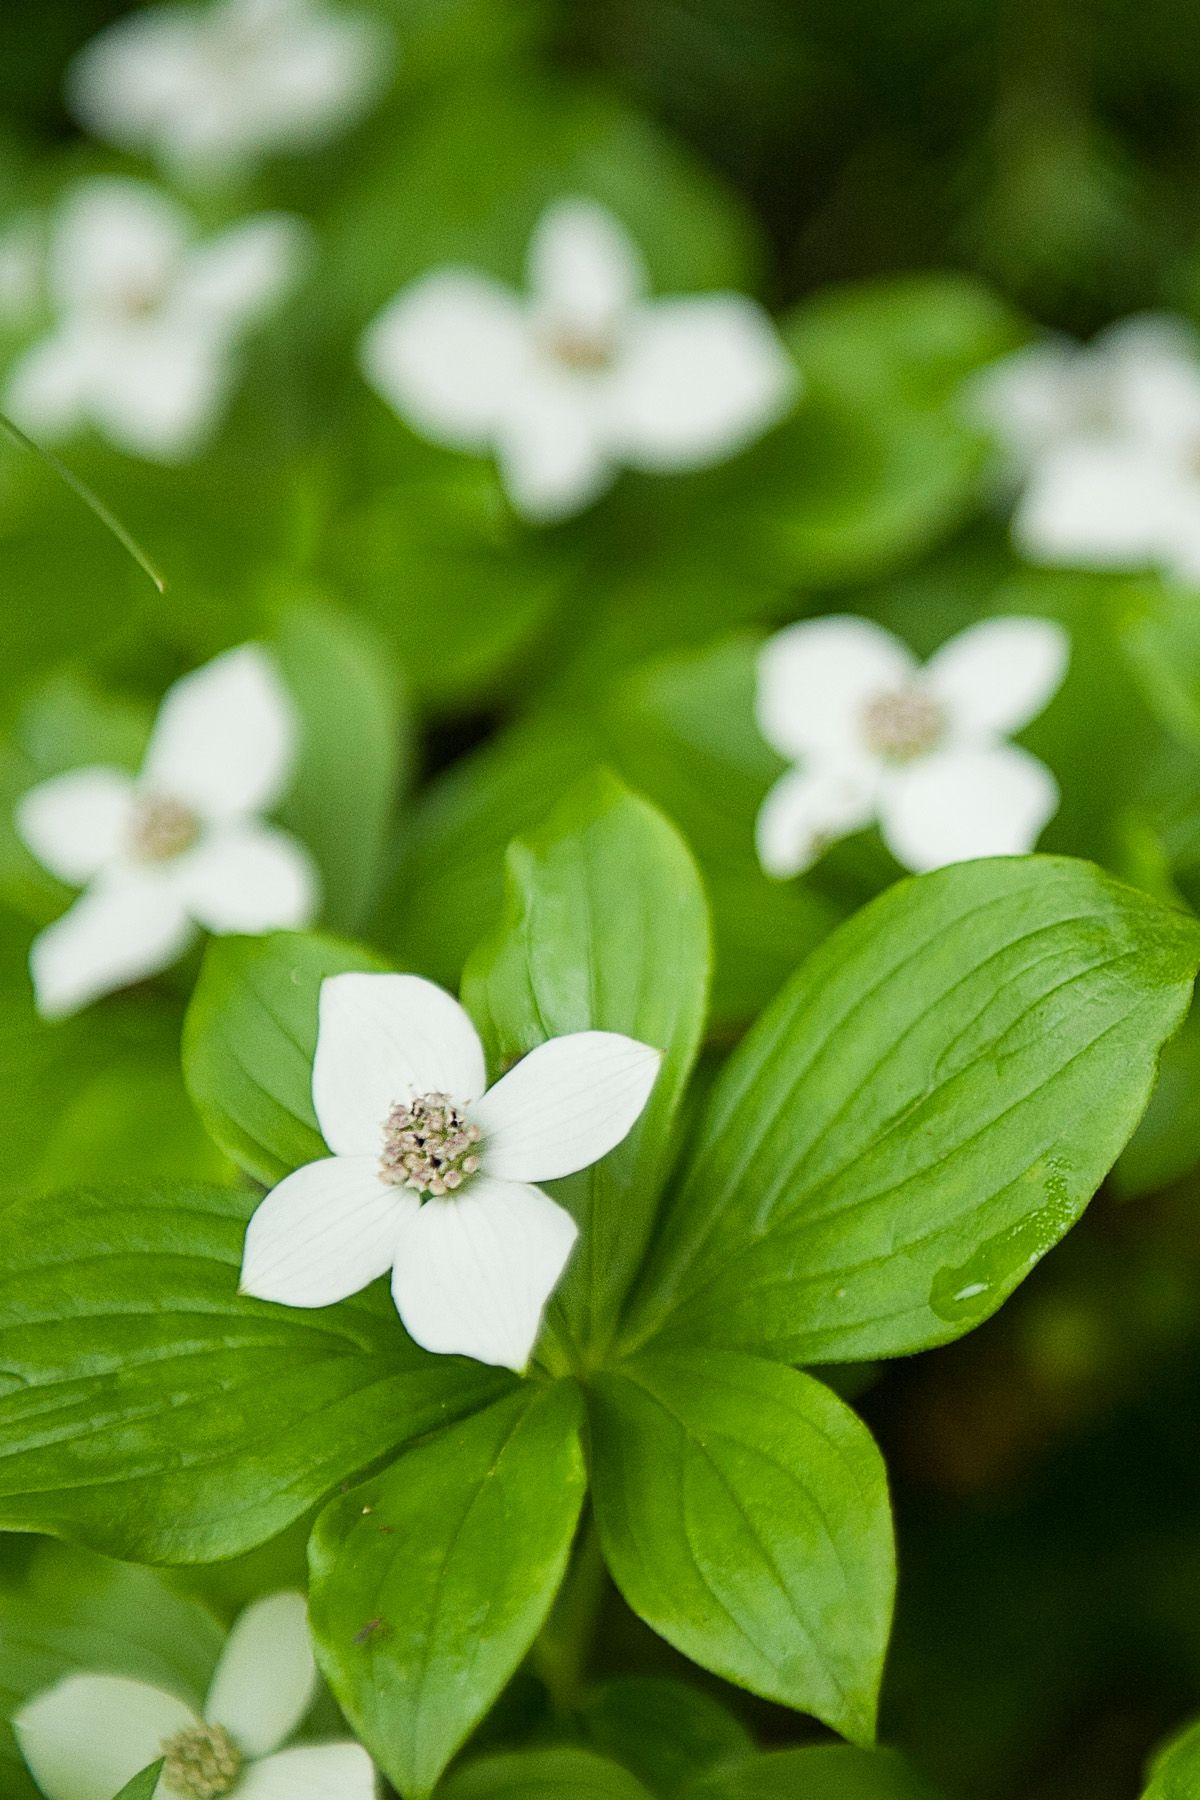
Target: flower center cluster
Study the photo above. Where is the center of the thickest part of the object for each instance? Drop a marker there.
(162, 827)
(902, 724)
(202, 1762)
(429, 1145)
(579, 350)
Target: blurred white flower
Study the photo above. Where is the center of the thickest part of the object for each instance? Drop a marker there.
(430, 1174)
(210, 89)
(89, 1735)
(921, 750)
(583, 375)
(1104, 441)
(148, 318)
(22, 270)
(178, 846)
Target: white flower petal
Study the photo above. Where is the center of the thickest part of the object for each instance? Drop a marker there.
(1101, 505)
(1147, 376)
(157, 388)
(127, 926)
(565, 1105)
(816, 678)
(249, 878)
(89, 1735)
(326, 1231)
(584, 268)
(115, 237)
(234, 279)
(450, 354)
(809, 809)
(266, 1677)
(697, 380)
(473, 1273)
(1029, 400)
(998, 675)
(49, 384)
(76, 823)
(225, 738)
(382, 1039)
(551, 450)
(958, 804)
(311, 1772)
(135, 74)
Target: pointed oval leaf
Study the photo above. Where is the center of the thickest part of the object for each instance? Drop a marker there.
(249, 1038)
(925, 1110)
(822, 1772)
(143, 1786)
(743, 1512)
(430, 1581)
(563, 1774)
(148, 1410)
(605, 928)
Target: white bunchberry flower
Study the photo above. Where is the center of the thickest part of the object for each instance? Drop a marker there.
(430, 1174)
(209, 90)
(584, 374)
(148, 318)
(1103, 441)
(178, 846)
(89, 1735)
(922, 750)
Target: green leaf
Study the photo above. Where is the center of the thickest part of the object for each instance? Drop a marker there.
(605, 928)
(743, 1512)
(72, 1611)
(347, 776)
(1175, 1774)
(924, 1111)
(143, 1786)
(565, 1774)
(824, 1772)
(248, 1044)
(430, 1581)
(667, 1732)
(148, 1410)
(1165, 1146)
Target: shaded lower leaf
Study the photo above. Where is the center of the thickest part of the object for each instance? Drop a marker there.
(148, 1410)
(248, 1044)
(824, 1772)
(1175, 1773)
(143, 1786)
(431, 1580)
(565, 1774)
(743, 1512)
(666, 1731)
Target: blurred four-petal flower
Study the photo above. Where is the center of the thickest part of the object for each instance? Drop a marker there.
(89, 1735)
(211, 89)
(585, 374)
(430, 1174)
(180, 845)
(921, 750)
(148, 318)
(1103, 441)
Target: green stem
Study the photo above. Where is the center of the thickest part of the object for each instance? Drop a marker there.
(88, 496)
(563, 1648)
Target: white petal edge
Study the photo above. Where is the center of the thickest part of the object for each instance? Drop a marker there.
(552, 449)
(450, 354)
(996, 676)
(473, 1274)
(48, 384)
(234, 279)
(815, 678)
(89, 1735)
(77, 823)
(956, 805)
(1096, 505)
(565, 1105)
(249, 878)
(226, 736)
(311, 1772)
(121, 930)
(698, 380)
(1029, 400)
(585, 270)
(382, 1039)
(266, 1677)
(810, 808)
(325, 1232)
